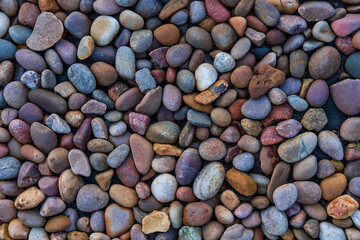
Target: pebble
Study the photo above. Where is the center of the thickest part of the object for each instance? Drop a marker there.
(314, 119)
(223, 36)
(274, 221)
(131, 20)
(345, 26)
(330, 144)
(140, 41)
(125, 62)
(77, 73)
(209, 180)
(329, 231)
(224, 62)
(244, 162)
(212, 149)
(316, 11)
(91, 198)
(113, 213)
(256, 108)
(322, 32)
(342, 207)
(156, 221)
(47, 32)
(291, 24)
(308, 192)
(297, 103)
(241, 182)
(285, 196)
(178, 54)
(330, 63)
(350, 64)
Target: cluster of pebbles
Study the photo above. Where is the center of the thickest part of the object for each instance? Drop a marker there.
(189, 120)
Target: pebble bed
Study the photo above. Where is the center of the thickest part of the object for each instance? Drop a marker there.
(179, 119)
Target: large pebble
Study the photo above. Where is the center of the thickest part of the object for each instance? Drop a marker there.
(91, 198)
(48, 101)
(274, 221)
(329, 231)
(324, 63)
(285, 196)
(47, 32)
(164, 187)
(297, 148)
(208, 182)
(118, 220)
(313, 11)
(256, 108)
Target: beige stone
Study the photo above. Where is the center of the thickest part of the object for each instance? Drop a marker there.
(156, 221)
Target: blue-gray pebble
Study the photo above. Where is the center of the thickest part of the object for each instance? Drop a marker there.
(125, 63)
(19, 34)
(197, 118)
(297, 103)
(9, 168)
(104, 98)
(256, 108)
(180, 18)
(145, 80)
(7, 50)
(352, 65)
(82, 78)
(185, 81)
(140, 41)
(244, 161)
(197, 11)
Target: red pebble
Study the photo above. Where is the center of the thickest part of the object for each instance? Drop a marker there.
(186, 194)
(278, 113)
(3, 150)
(159, 56)
(127, 172)
(352, 153)
(158, 75)
(269, 136)
(235, 109)
(346, 25)
(343, 44)
(66, 141)
(83, 134)
(20, 130)
(217, 11)
(170, 74)
(139, 122)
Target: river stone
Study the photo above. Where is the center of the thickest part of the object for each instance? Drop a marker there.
(267, 13)
(118, 156)
(48, 101)
(145, 80)
(7, 50)
(163, 132)
(19, 34)
(324, 63)
(274, 221)
(256, 108)
(164, 187)
(346, 97)
(308, 192)
(285, 196)
(197, 118)
(330, 144)
(91, 198)
(329, 231)
(352, 64)
(297, 148)
(82, 78)
(125, 63)
(9, 168)
(313, 11)
(47, 32)
(209, 180)
(43, 137)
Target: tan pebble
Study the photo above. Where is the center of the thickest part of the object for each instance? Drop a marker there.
(57, 223)
(30, 198)
(156, 221)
